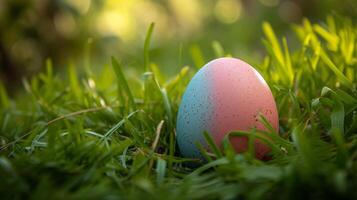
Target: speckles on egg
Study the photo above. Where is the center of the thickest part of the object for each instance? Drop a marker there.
(226, 95)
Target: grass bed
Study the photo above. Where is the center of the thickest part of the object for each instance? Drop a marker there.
(111, 135)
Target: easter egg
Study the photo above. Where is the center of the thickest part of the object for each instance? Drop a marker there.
(225, 95)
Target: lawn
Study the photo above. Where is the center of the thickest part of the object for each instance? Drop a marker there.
(109, 133)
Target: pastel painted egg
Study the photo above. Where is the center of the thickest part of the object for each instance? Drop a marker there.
(225, 95)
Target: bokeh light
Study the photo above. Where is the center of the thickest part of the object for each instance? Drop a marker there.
(228, 11)
(82, 6)
(270, 3)
(65, 24)
(32, 31)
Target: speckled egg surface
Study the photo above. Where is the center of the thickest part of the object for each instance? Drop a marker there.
(225, 95)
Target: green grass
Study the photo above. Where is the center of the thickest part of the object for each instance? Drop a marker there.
(111, 134)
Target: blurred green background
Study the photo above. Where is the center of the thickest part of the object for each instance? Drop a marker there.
(87, 32)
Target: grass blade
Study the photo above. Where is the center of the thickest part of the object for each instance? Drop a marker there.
(197, 56)
(270, 35)
(160, 170)
(338, 116)
(344, 80)
(288, 64)
(118, 125)
(147, 46)
(218, 49)
(73, 79)
(212, 145)
(4, 99)
(123, 83)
